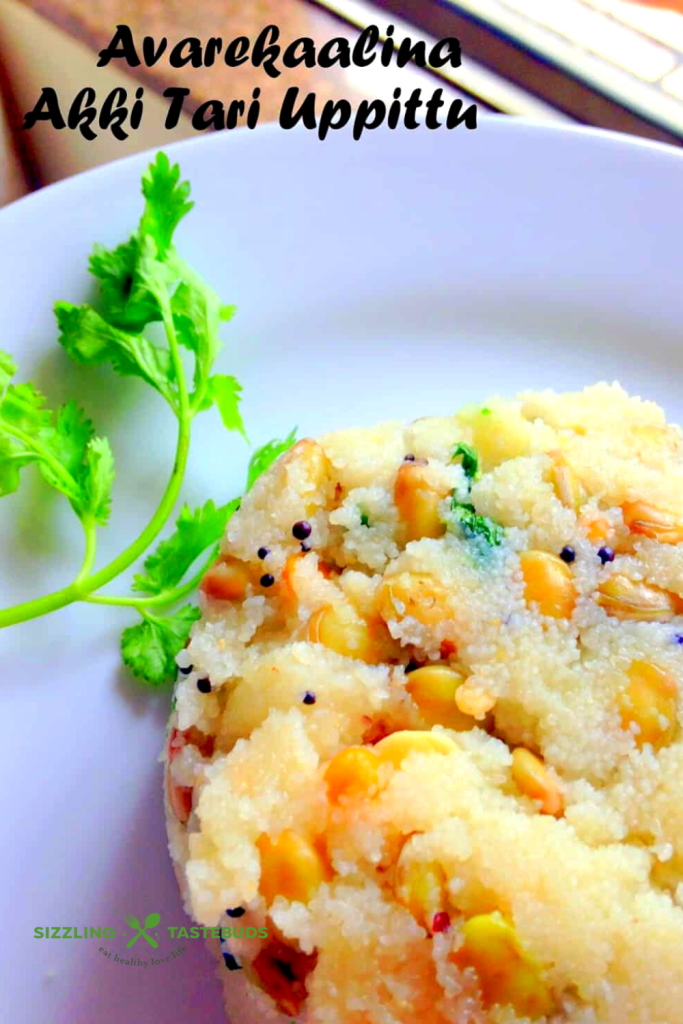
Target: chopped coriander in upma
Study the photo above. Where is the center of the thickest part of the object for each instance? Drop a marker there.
(440, 757)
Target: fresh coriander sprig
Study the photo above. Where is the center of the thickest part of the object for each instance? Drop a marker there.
(142, 281)
(149, 648)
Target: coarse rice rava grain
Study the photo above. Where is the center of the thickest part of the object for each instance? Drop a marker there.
(436, 745)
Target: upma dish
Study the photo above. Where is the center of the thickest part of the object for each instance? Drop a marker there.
(426, 756)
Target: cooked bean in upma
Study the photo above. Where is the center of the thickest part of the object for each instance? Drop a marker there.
(429, 739)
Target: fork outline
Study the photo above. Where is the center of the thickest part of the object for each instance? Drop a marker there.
(133, 922)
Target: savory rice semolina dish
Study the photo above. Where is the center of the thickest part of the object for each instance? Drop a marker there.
(428, 738)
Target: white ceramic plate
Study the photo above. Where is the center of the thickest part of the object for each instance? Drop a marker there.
(397, 276)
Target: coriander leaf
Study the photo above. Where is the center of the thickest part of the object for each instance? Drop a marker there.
(127, 300)
(226, 393)
(364, 519)
(470, 460)
(90, 340)
(264, 456)
(473, 525)
(167, 202)
(22, 408)
(70, 436)
(12, 459)
(137, 277)
(97, 480)
(116, 271)
(66, 442)
(31, 436)
(154, 276)
(194, 533)
(149, 649)
(197, 317)
(70, 457)
(8, 368)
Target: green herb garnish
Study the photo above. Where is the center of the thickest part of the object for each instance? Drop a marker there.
(267, 454)
(364, 519)
(471, 524)
(470, 461)
(149, 649)
(142, 281)
(485, 411)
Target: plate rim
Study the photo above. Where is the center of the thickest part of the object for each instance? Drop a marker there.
(496, 124)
